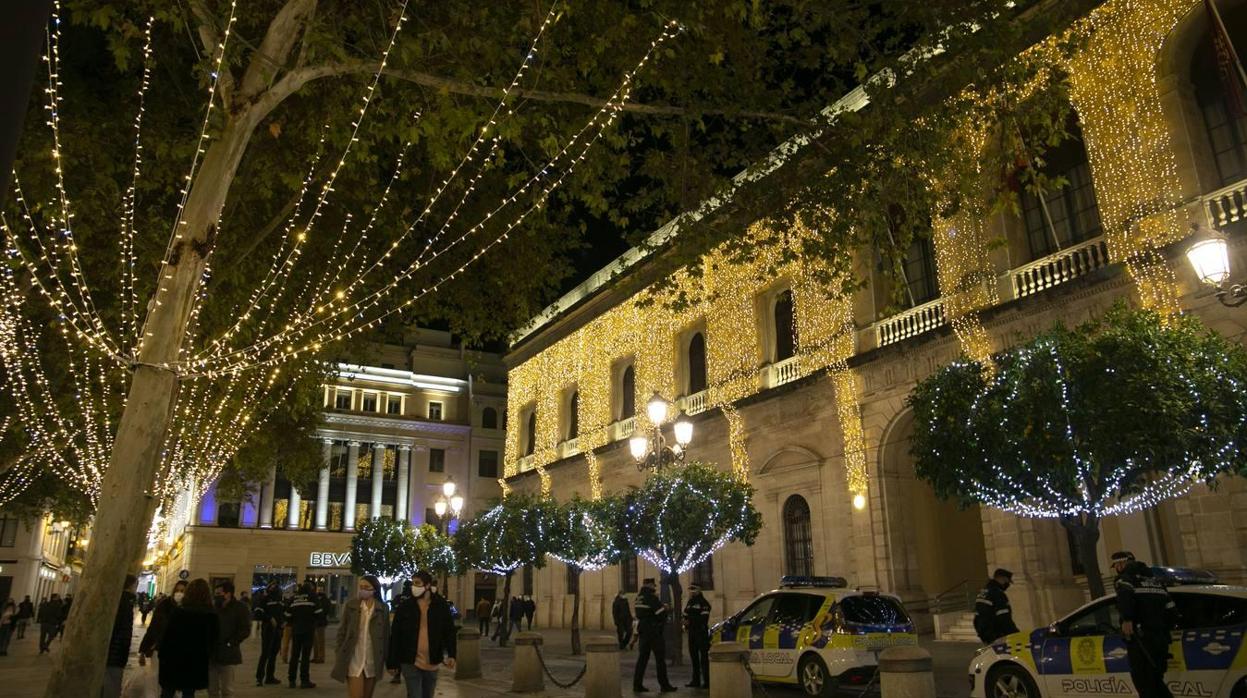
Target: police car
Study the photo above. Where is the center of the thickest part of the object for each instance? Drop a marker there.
(1084, 653)
(817, 633)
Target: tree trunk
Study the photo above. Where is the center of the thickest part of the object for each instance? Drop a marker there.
(1086, 532)
(676, 647)
(576, 650)
(506, 612)
(121, 523)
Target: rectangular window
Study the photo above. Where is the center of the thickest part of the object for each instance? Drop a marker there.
(437, 460)
(435, 411)
(703, 574)
(8, 531)
(628, 574)
(920, 277)
(342, 400)
(369, 402)
(394, 405)
(487, 464)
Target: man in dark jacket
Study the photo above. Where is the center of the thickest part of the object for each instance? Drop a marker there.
(302, 614)
(516, 615)
(234, 626)
(621, 612)
(326, 609)
(69, 601)
(530, 610)
(1147, 615)
(651, 616)
(271, 614)
(422, 637)
(25, 612)
(993, 616)
(697, 622)
(49, 620)
(119, 641)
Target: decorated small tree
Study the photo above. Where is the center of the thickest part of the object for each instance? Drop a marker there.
(383, 547)
(1076, 425)
(506, 537)
(583, 537)
(683, 514)
(433, 551)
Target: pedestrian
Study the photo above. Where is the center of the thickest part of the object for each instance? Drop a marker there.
(234, 624)
(160, 619)
(404, 594)
(651, 616)
(272, 614)
(145, 608)
(69, 601)
(993, 616)
(697, 623)
(49, 620)
(363, 638)
(187, 643)
(621, 612)
(422, 637)
(1147, 615)
(302, 615)
(496, 615)
(516, 615)
(119, 641)
(318, 641)
(25, 612)
(530, 609)
(8, 624)
(483, 610)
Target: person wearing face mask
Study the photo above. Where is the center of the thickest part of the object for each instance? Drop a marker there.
(363, 636)
(993, 616)
(272, 614)
(697, 621)
(160, 620)
(234, 621)
(301, 617)
(119, 641)
(651, 616)
(422, 637)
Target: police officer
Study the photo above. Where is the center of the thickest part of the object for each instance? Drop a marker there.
(651, 615)
(272, 613)
(697, 621)
(993, 616)
(1146, 620)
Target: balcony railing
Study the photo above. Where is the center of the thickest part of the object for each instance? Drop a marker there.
(623, 429)
(781, 372)
(910, 323)
(526, 463)
(1227, 205)
(570, 447)
(693, 404)
(1060, 267)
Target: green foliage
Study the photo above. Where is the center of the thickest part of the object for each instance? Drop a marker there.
(1113, 416)
(513, 533)
(683, 514)
(432, 551)
(584, 534)
(383, 547)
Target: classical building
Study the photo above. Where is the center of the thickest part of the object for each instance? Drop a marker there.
(396, 426)
(38, 559)
(807, 395)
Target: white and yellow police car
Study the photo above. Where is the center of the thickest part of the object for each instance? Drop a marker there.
(1084, 653)
(817, 633)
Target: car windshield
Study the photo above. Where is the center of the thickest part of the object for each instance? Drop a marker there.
(873, 610)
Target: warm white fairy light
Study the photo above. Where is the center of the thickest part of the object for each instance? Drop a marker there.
(129, 297)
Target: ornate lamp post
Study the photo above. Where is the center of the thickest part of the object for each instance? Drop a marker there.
(1209, 255)
(651, 451)
(452, 502)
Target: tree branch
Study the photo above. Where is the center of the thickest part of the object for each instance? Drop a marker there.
(286, 30)
(208, 35)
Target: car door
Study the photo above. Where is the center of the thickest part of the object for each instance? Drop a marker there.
(1085, 655)
(1209, 634)
(791, 612)
(751, 631)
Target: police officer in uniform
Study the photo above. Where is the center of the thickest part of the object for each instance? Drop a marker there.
(1146, 620)
(697, 621)
(651, 616)
(993, 616)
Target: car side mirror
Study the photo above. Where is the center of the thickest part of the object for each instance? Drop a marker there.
(1053, 630)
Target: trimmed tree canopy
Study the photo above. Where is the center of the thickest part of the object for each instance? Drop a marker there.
(584, 534)
(514, 533)
(382, 547)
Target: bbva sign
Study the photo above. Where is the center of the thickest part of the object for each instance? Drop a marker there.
(329, 560)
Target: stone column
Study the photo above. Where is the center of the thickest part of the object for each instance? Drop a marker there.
(526, 676)
(419, 490)
(906, 672)
(266, 499)
(292, 521)
(378, 480)
(352, 482)
(602, 667)
(322, 489)
(404, 475)
(468, 662)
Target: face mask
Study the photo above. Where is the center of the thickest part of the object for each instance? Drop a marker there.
(365, 594)
(177, 596)
(417, 592)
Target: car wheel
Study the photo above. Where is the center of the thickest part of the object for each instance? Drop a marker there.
(1240, 689)
(1010, 681)
(814, 678)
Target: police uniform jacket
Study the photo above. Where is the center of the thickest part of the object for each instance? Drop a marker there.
(650, 613)
(303, 614)
(1143, 600)
(697, 614)
(993, 616)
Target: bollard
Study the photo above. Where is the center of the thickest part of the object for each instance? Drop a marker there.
(729, 671)
(526, 675)
(468, 661)
(906, 672)
(602, 674)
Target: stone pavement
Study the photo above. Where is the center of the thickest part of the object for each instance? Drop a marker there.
(23, 673)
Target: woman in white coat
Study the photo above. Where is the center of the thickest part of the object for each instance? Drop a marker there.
(363, 638)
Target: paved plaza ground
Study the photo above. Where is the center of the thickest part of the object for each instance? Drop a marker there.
(24, 673)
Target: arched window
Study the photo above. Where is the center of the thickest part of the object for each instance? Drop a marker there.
(798, 538)
(785, 327)
(530, 434)
(489, 418)
(1065, 215)
(1224, 112)
(697, 364)
(627, 393)
(573, 415)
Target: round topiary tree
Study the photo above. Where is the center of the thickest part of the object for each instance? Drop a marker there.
(383, 547)
(584, 538)
(1112, 417)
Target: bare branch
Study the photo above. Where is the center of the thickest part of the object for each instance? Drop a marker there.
(208, 35)
(283, 33)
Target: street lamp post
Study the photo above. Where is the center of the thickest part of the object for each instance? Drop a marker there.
(1209, 255)
(449, 501)
(651, 451)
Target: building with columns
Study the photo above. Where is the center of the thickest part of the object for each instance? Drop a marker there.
(807, 394)
(396, 426)
(39, 558)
